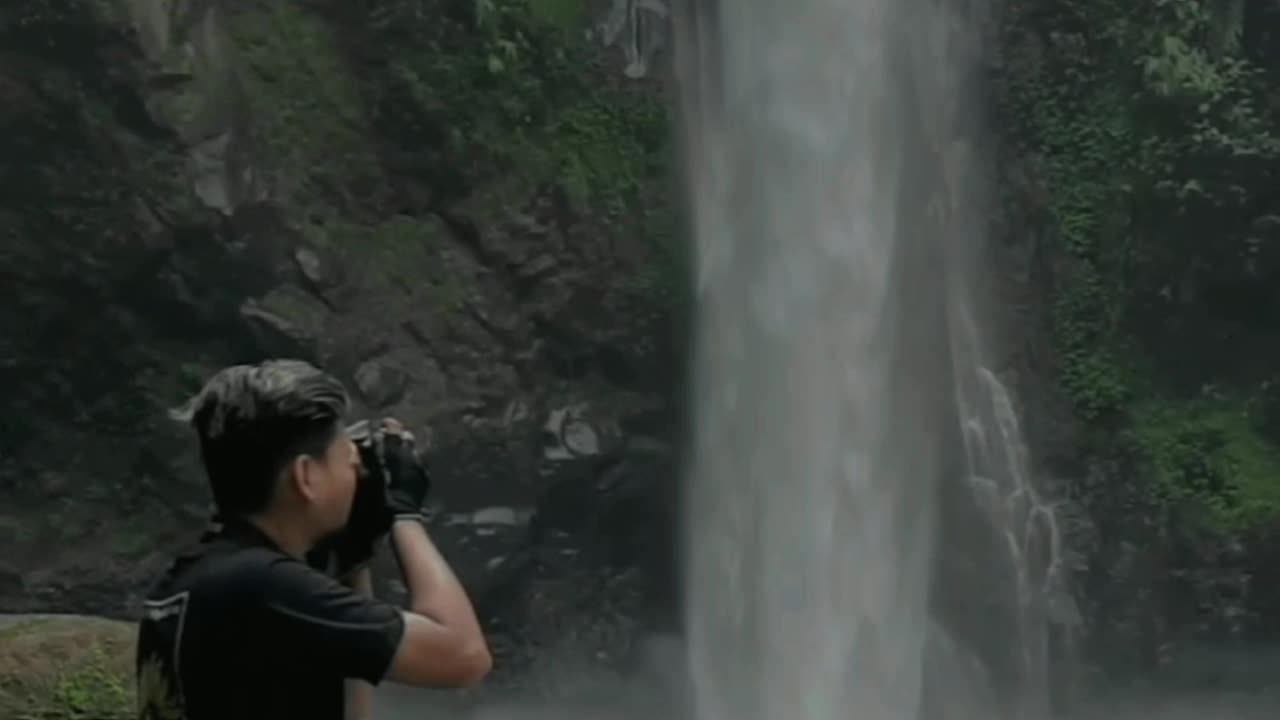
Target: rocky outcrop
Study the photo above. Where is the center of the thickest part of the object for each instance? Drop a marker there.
(201, 183)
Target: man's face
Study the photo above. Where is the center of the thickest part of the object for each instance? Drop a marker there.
(332, 482)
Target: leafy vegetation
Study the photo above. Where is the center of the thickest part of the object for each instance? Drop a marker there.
(444, 100)
(461, 91)
(308, 112)
(1154, 125)
(509, 86)
(1208, 451)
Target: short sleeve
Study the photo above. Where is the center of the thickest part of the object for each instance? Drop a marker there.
(341, 557)
(314, 621)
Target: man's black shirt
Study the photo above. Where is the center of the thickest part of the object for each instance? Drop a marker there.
(238, 629)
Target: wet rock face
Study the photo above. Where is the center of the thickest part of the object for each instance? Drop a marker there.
(214, 184)
(581, 558)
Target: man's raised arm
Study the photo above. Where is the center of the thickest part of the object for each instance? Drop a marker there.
(443, 644)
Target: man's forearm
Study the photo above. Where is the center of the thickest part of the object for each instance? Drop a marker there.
(434, 590)
(359, 694)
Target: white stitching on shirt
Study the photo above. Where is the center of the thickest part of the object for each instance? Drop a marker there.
(327, 623)
(183, 601)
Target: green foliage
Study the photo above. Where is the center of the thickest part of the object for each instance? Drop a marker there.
(1209, 459)
(566, 15)
(511, 90)
(492, 100)
(308, 111)
(601, 150)
(498, 101)
(1077, 116)
(93, 692)
(1156, 132)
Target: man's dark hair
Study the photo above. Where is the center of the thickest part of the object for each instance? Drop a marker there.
(253, 420)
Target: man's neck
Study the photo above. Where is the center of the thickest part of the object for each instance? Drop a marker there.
(290, 539)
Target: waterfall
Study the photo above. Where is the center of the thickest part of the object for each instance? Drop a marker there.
(850, 438)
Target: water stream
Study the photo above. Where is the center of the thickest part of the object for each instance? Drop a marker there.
(845, 414)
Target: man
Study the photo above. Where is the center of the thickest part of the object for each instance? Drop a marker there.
(241, 626)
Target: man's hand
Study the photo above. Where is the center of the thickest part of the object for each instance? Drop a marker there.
(393, 482)
(407, 479)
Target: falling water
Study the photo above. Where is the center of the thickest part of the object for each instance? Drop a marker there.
(850, 440)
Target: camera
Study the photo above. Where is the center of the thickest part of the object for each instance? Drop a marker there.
(368, 440)
(369, 514)
(379, 461)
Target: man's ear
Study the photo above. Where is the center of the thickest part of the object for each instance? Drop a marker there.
(302, 477)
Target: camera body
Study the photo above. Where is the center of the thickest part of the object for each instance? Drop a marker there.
(379, 461)
(368, 440)
(370, 515)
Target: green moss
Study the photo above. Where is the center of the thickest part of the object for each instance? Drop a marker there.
(404, 250)
(306, 106)
(563, 15)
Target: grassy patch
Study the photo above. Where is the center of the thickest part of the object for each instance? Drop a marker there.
(66, 668)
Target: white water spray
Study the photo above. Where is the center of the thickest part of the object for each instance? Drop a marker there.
(839, 383)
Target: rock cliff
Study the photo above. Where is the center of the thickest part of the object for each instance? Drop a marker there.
(460, 208)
